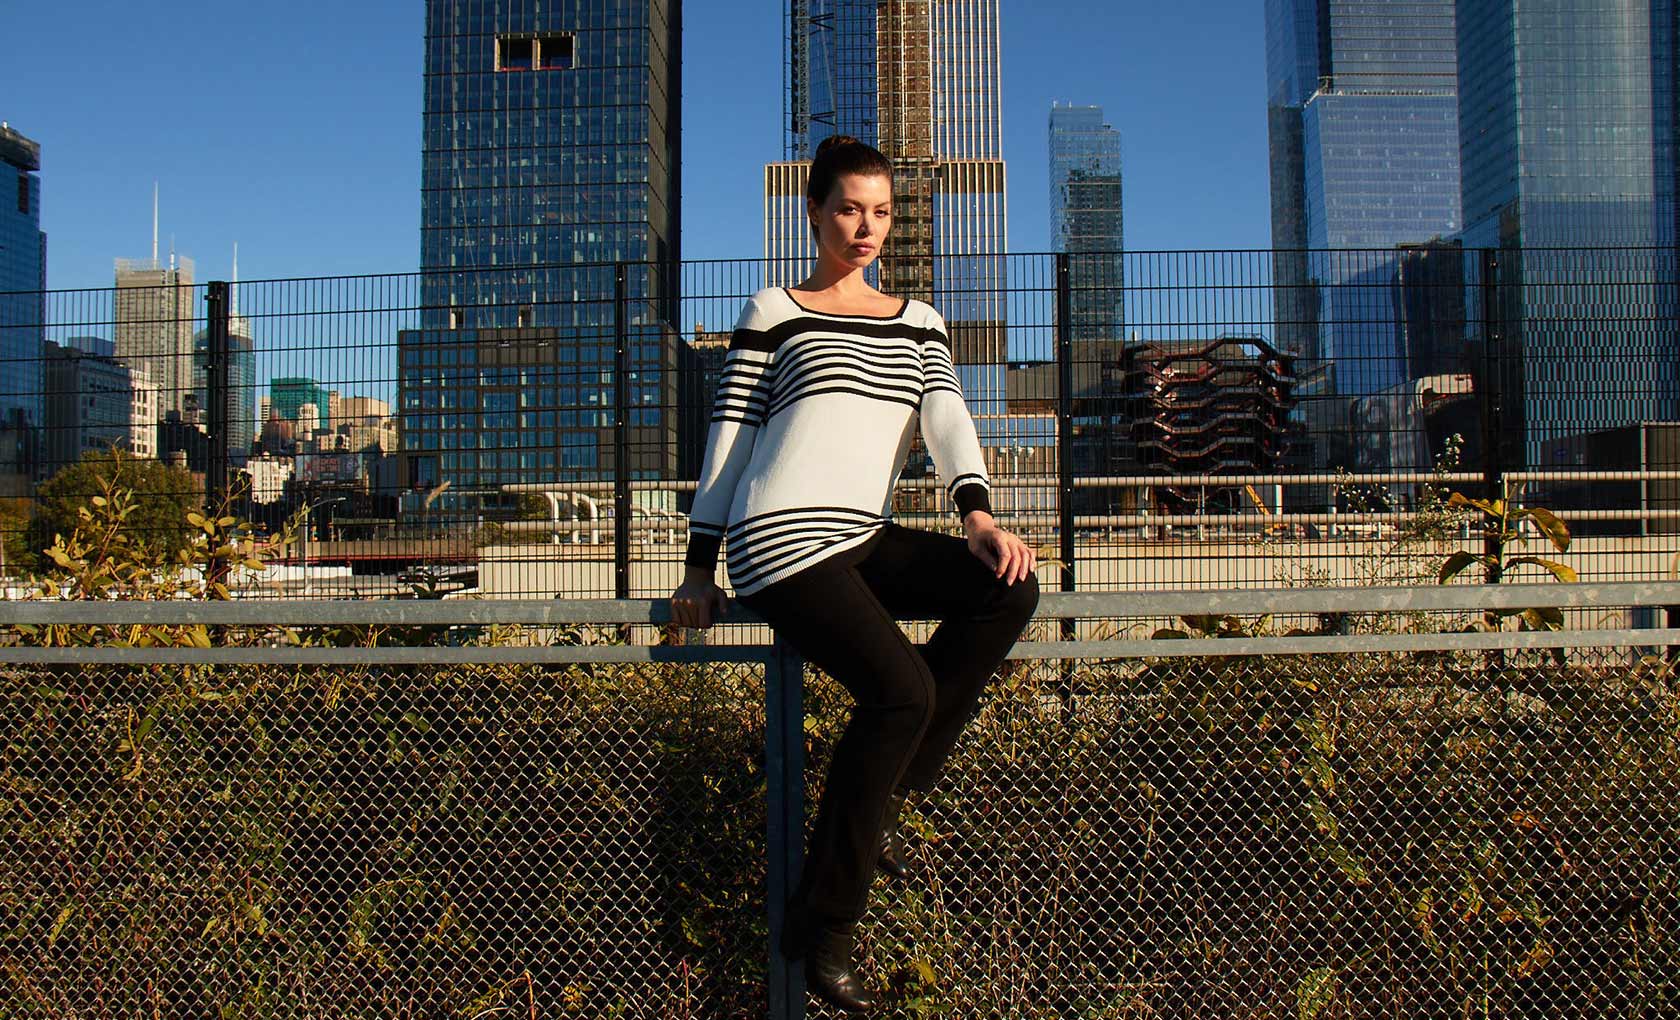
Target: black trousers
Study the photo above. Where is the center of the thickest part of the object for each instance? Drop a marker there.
(911, 701)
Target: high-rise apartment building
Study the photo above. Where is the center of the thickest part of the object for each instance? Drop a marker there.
(1363, 134)
(23, 281)
(919, 80)
(550, 156)
(156, 309)
(1568, 116)
(1086, 219)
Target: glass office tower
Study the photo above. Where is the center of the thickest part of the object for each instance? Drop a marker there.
(23, 276)
(550, 158)
(1568, 120)
(829, 73)
(1086, 218)
(1363, 130)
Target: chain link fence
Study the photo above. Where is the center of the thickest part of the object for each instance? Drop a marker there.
(1130, 828)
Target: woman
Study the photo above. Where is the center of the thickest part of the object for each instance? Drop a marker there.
(815, 410)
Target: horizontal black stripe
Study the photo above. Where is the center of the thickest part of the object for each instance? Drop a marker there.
(792, 552)
(782, 405)
(754, 575)
(753, 420)
(767, 543)
(768, 340)
(794, 510)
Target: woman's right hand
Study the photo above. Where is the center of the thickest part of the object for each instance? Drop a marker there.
(698, 602)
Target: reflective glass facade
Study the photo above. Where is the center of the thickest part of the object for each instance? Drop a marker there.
(1086, 218)
(242, 386)
(23, 273)
(1378, 171)
(550, 155)
(1568, 111)
(831, 73)
(1363, 128)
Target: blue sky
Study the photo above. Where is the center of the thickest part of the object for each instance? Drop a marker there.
(294, 129)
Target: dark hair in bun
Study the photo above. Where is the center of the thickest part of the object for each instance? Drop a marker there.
(842, 154)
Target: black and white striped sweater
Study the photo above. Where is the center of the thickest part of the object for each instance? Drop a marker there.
(814, 415)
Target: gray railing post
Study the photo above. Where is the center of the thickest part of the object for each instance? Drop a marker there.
(621, 438)
(784, 767)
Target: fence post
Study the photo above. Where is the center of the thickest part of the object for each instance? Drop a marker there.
(1064, 447)
(621, 438)
(216, 396)
(1492, 399)
(784, 769)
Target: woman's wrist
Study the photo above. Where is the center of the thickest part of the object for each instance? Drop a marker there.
(694, 573)
(974, 520)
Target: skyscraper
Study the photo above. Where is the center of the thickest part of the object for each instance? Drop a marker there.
(919, 80)
(23, 278)
(156, 307)
(242, 384)
(1363, 131)
(550, 155)
(1568, 115)
(1086, 219)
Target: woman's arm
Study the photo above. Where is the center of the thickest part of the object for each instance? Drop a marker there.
(949, 431)
(947, 426)
(737, 415)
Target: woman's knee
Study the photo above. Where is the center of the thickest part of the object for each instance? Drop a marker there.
(911, 699)
(1021, 598)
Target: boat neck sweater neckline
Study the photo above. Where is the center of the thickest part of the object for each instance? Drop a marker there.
(902, 308)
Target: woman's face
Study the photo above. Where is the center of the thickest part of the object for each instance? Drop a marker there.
(853, 222)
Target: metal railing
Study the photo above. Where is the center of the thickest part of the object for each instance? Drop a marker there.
(1346, 807)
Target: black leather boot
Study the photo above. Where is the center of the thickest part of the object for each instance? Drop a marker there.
(828, 970)
(893, 860)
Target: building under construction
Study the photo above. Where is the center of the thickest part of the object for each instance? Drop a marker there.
(918, 79)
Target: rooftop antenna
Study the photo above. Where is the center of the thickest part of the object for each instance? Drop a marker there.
(233, 312)
(154, 222)
(172, 253)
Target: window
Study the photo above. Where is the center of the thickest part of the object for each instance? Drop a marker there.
(515, 54)
(552, 52)
(556, 52)
(23, 193)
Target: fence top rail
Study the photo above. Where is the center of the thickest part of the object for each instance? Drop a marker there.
(657, 611)
(1107, 650)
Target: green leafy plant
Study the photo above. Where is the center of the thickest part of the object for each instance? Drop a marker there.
(1501, 523)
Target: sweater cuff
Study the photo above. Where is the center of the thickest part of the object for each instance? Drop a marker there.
(703, 543)
(972, 496)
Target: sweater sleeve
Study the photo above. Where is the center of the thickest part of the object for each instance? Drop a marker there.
(737, 415)
(947, 426)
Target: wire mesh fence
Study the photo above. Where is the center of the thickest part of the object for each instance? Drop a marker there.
(1121, 833)
(1190, 419)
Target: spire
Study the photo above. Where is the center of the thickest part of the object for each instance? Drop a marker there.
(233, 291)
(154, 221)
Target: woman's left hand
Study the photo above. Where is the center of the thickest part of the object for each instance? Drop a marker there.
(1008, 557)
